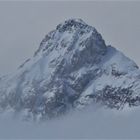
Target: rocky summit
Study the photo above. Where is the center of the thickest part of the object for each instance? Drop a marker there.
(72, 68)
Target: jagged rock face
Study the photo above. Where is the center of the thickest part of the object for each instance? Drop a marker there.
(72, 68)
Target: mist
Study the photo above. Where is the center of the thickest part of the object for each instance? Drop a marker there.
(89, 123)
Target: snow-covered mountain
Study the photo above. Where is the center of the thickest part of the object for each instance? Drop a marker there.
(72, 68)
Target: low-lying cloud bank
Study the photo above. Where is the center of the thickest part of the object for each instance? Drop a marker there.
(90, 123)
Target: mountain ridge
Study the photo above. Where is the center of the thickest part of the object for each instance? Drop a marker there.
(72, 68)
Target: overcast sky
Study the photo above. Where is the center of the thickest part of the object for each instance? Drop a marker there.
(24, 24)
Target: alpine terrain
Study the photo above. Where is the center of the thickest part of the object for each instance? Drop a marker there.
(72, 68)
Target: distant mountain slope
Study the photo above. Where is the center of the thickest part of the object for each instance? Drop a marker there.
(72, 68)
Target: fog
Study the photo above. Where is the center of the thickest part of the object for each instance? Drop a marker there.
(89, 123)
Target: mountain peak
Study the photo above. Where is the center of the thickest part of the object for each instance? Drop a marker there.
(72, 68)
(73, 23)
(71, 32)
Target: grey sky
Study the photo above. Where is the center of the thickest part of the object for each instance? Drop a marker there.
(24, 24)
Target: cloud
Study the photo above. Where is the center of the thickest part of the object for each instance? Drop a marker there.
(89, 123)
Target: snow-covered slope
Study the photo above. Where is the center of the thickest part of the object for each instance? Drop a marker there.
(72, 68)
